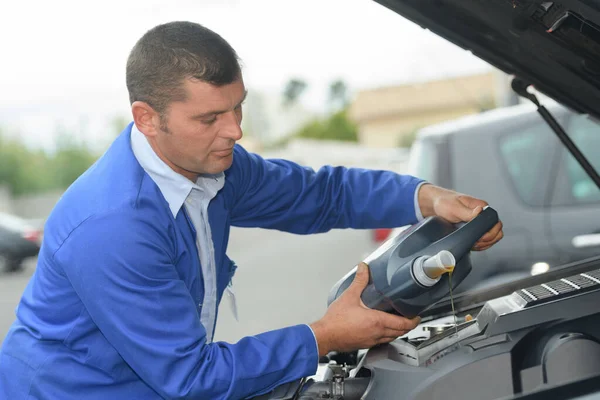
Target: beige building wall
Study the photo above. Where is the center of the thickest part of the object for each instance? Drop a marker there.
(386, 114)
(387, 132)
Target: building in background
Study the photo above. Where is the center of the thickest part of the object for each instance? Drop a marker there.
(386, 116)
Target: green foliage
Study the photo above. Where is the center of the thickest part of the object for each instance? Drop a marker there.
(293, 90)
(336, 127)
(25, 170)
(71, 159)
(338, 95)
(407, 139)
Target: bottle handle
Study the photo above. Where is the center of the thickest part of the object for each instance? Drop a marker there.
(464, 238)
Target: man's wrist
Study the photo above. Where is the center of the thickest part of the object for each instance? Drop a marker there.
(426, 196)
(417, 206)
(320, 337)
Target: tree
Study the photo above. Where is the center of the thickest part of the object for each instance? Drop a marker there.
(293, 91)
(26, 170)
(336, 127)
(338, 95)
(21, 169)
(71, 159)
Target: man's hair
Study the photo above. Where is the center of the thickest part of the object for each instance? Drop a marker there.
(170, 53)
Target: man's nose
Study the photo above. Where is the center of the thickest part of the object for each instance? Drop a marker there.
(232, 128)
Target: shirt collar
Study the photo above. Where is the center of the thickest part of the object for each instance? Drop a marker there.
(174, 187)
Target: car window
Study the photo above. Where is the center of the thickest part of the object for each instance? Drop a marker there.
(579, 187)
(423, 160)
(526, 158)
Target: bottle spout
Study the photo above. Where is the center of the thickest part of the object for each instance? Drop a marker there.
(435, 266)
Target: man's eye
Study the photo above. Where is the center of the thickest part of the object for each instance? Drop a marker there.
(209, 121)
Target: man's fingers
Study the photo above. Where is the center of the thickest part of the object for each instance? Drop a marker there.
(412, 323)
(460, 208)
(361, 279)
(395, 333)
(472, 202)
(476, 211)
(468, 207)
(462, 213)
(497, 238)
(492, 233)
(483, 244)
(397, 324)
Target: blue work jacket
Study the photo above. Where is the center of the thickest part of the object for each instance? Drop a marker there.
(112, 310)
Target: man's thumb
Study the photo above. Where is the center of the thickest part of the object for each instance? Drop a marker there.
(465, 213)
(361, 279)
(475, 212)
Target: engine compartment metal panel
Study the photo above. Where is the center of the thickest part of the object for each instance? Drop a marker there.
(500, 353)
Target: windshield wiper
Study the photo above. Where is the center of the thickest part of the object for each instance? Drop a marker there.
(520, 87)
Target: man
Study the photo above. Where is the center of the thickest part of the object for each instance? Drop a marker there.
(124, 298)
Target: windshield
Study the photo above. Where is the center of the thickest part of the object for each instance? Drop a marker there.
(423, 160)
(585, 133)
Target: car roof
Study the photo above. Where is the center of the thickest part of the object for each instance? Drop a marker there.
(492, 117)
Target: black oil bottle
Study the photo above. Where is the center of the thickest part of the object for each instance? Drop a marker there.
(409, 272)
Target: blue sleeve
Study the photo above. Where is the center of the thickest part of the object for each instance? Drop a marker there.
(121, 266)
(280, 194)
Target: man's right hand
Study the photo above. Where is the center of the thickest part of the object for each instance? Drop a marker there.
(350, 325)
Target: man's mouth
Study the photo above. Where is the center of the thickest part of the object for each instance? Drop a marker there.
(223, 153)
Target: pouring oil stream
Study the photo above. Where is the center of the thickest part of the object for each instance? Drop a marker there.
(452, 303)
(434, 267)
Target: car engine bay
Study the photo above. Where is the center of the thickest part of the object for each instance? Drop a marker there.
(535, 338)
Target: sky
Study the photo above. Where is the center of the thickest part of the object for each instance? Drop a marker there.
(63, 61)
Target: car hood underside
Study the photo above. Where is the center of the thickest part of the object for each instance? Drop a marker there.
(553, 45)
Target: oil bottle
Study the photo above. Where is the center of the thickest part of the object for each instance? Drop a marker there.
(409, 272)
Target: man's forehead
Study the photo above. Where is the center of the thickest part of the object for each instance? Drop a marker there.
(197, 90)
(203, 99)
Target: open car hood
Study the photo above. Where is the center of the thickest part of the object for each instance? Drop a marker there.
(554, 45)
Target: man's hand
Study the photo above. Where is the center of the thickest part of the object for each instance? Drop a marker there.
(349, 325)
(456, 207)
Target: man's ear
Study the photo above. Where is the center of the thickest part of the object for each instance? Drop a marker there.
(145, 117)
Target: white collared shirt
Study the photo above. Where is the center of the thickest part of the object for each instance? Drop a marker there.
(179, 191)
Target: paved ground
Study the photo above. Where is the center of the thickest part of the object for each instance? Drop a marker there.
(282, 279)
(11, 287)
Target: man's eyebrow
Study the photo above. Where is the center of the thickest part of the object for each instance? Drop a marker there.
(217, 112)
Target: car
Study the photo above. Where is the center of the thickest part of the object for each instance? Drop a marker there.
(532, 338)
(511, 156)
(19, 240)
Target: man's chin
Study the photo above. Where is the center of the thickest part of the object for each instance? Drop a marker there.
(221, 163)
(228, 161)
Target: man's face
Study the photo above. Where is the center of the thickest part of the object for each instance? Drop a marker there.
(197, 136)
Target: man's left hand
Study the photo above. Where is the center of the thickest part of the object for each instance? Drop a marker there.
(456, 207)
